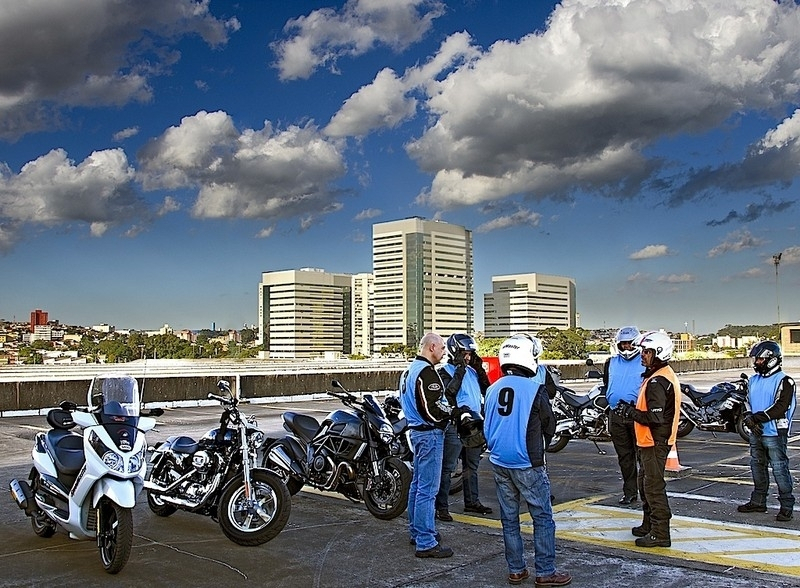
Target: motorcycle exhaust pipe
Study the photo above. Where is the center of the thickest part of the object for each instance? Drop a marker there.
(565, 426)
(23, 495)
(279, 456)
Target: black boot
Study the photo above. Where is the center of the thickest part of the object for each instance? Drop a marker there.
(651, 540)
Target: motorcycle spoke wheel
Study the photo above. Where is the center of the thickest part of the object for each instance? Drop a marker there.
(387, 498)
(116, 536)
(253, 522)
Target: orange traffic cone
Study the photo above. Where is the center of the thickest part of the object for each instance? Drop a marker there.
(674, 467)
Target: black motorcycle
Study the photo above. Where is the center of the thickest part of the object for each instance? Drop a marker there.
(720, 410)
(402, 446)
(354, 452)
(217, 477)
(580, 416)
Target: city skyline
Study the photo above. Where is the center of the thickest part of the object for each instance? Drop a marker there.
(155, 164)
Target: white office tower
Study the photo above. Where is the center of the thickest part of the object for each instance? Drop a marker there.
(305, 313)
(363, 294)
(423, 280)
(528, 303)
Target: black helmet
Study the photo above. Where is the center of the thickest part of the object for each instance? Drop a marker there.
(470, 429)
(771, 352)
(460, 342)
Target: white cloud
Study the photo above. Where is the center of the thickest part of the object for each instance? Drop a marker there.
(265, 232)
(79, 53)
(126, 133)
(736, 241)
(519, 218)
(791, 255)
(368, 213)
(676, 279)
(650, 251)
(575, 107)
(266, 174)
(637, 277)
(325, 35)
(748, 274)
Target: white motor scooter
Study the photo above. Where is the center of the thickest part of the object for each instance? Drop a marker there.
(88, 482)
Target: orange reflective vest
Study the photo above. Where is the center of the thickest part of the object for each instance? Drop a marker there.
(644, 436)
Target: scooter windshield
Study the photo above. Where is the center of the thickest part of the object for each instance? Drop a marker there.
(115, 395)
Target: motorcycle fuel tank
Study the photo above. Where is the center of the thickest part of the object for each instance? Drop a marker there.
(344, 424)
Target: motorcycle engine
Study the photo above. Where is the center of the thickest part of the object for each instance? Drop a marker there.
(591, 418)
(201, 460)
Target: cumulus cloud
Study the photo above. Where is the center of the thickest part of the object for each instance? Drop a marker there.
(265, 174)
(519, 218)
(791, 255)
(265, 232)
(126, 133)
(637, 277)
(748, 274)
(736, 241)
(676, 279)
(368, 213)
(54, 190)
(577, 105)
(90, 53)
(650, 251)
(323, 36)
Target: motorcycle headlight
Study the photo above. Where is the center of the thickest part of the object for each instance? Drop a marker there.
(386, 433)
(113, 460)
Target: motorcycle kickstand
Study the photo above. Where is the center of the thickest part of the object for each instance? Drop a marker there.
(600, 451)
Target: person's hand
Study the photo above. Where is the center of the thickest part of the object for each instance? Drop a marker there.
(460, 358)
(475, 361)
(756, 426)
(624, 409)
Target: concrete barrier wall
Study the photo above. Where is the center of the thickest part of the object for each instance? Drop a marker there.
(31, 395)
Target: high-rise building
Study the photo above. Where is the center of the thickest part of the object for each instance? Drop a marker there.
(305, 313)
(423, 280)
(38, 318)
(528, 303)
(363, 294)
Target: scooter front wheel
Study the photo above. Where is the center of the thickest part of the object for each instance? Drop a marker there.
(116, 535)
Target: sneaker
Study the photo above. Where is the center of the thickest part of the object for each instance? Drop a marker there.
(652, 541)
(640, 531)
(752, 507)
(556, 579)
(478, 508)
(443, 515)
(438, 551)
(628, 500)
(784, 515)
(518, 577)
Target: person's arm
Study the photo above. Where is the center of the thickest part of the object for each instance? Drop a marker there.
(476, 363)
(452, 384)
(606, 365)
(656, 397)
(428, 396)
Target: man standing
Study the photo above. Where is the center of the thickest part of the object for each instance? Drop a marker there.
(772, 402)
(655, 416)
(423, 402)
(465, 383)
(518, 426)
(622, 376)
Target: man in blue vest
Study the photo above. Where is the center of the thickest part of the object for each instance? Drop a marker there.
(427, 413)
(518, 427)
(772, 402)
(622, 376)
(465, 383)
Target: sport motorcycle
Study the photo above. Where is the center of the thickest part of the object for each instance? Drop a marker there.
(580, 416)
(352, 452)
(720, 410)
(217, 476)
(87, 482)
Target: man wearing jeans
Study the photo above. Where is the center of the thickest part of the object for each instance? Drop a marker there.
(423, 402)
(771, 396)
(518, 426)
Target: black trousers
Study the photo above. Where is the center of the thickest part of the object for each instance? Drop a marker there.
(624, 439)
(653, 489)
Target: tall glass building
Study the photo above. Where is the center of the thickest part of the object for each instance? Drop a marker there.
(423, 273)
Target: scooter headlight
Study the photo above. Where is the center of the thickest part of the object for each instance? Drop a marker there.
(136, 462)
(112, 460)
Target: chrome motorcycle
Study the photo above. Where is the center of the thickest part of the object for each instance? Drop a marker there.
(217, 477)
(720, 410)
(580, 416)
(354, 452)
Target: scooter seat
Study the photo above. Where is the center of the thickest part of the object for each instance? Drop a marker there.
(67, 450)
(303, 425)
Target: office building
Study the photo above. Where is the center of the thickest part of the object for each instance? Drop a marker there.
(38, 318)
(363, 293)
(528, 303)
(305, 313)
(423, 280)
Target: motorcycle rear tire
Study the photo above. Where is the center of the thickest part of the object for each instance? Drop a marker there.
(246, 528)
(41, 523)
(685, 426)
(389, 498)
(116, 540)
(158, 506)
(558, 442)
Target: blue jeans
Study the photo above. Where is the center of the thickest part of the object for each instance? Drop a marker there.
(770, 451)
(452, 449)
(532, 486)
(428, 447)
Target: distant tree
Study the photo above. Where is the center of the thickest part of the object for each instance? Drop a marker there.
(248, 336)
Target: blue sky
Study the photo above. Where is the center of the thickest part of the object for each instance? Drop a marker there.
(157, 156)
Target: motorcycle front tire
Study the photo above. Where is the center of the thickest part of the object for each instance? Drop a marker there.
(742, 429)
(116, 535)
(245, 527)
(388, 498)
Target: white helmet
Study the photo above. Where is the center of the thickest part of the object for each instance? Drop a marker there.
(521, 351)
(627, 334)
(658, 341)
